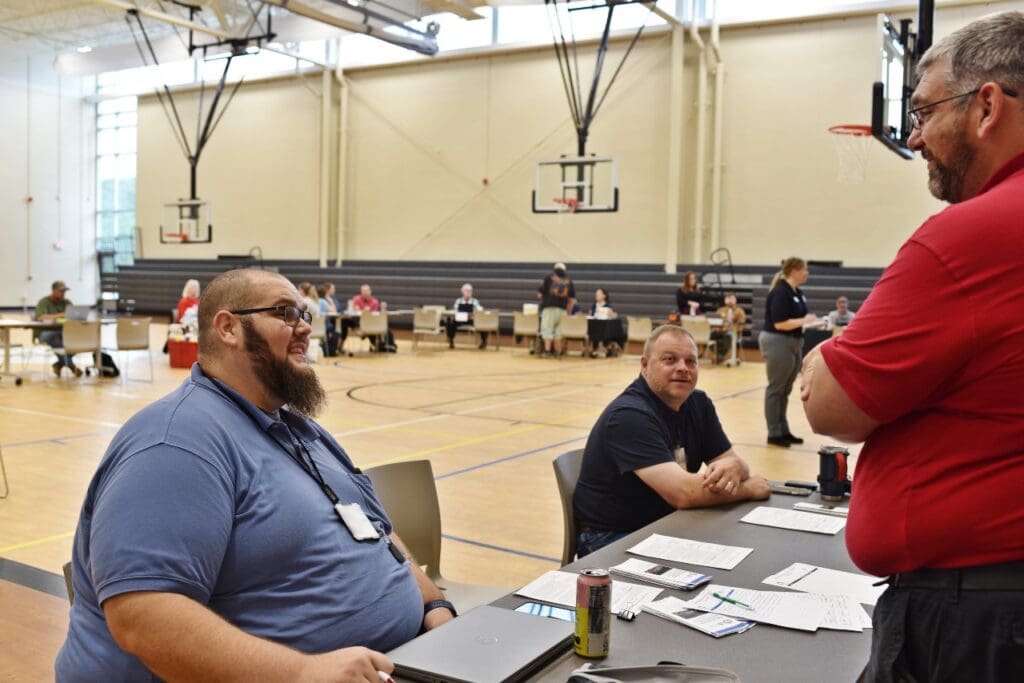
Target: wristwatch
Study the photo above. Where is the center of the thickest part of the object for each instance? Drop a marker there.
(434, 604)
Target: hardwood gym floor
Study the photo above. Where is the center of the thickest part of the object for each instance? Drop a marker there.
(490, 423)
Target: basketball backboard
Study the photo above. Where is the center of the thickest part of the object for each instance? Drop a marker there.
(577, 184)
(187, 221)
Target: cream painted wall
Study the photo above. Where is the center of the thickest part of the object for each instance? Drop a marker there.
(260, 170)
(422, 137)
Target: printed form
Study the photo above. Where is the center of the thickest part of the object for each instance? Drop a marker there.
(559, 588)
(811, 579)
(798, 521)
(691, 552)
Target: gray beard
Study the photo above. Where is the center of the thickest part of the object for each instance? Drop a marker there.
(299, 388)
(946, 182)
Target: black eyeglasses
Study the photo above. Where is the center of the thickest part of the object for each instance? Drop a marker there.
(291, 314)
(916, 120)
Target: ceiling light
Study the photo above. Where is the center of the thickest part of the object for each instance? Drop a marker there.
(84, 49)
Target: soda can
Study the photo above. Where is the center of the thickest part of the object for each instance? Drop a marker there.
(593, 613)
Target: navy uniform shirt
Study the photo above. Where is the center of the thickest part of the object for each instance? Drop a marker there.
(635, 431)
(784, 303)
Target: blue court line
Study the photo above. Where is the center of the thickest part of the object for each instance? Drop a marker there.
(521, 553)
(55, 440)
(507, 458)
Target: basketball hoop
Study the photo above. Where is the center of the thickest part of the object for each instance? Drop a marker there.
(852, 142)
(566, 204)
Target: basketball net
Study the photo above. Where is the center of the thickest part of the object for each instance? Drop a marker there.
(852, 143)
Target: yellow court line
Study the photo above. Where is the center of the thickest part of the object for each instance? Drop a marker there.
(38, 541)
(482, 439)
(57, 416)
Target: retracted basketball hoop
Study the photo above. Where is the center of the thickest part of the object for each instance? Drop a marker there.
(852, 142)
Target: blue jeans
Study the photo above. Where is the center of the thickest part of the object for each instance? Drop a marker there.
(589, 541)
(55, 339)
(929, 634)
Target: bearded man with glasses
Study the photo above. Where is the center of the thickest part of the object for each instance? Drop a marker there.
(226, 536)
(937, 400)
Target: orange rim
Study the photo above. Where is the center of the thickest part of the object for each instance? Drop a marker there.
(854, 129)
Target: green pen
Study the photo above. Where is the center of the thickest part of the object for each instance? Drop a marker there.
(732, 601)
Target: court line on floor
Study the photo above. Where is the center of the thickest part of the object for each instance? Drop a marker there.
(513, 551)
(38, 541)
(507, 458)
(59, 440)
(39, 413)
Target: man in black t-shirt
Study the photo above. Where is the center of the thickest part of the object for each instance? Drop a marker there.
(644, 454)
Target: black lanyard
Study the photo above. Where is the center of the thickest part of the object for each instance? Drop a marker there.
(309, 468)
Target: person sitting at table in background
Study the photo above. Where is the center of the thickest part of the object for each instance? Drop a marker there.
(690, 299)
(365, 301)
(644, 454)
(842, 316)
(557, 295)
(463, 308)
(308, 292)
(602, 309)
(50, 309)
(209, 547)
(188, 306)
(733, 318)
(328, 304)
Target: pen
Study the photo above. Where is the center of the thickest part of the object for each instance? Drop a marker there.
(732, 601)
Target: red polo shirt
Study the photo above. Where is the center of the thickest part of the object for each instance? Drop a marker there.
(936, 355)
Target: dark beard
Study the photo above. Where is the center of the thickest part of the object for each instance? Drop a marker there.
(946, 182)
(299, 388)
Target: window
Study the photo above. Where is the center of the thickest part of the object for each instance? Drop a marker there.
(116, 139)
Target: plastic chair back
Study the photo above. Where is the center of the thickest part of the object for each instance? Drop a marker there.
(373, 323)
(525, 324)
(133, 334)
(574, 326)
(486, 321)
(68, 584)
(319, 325)
(567, 472)
(407, 491)
(638, 329)
(81, 336)
(426, 321)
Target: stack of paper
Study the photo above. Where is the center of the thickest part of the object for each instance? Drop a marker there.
(715, 625)
(834, 510)
(660, 574)
(800, 611)
(791, 519)
(690, 552)
(811, 579)
(559, 588)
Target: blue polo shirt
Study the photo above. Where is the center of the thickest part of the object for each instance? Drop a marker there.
(635, 431)
(197, 495)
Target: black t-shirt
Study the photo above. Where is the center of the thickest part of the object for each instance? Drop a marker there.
(783, 304)
(556, 292)
(635, 431)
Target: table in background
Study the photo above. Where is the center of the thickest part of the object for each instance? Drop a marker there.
(764, 653)
(606, 330)
(7, 324)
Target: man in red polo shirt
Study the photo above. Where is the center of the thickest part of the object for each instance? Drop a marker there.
(939, 400)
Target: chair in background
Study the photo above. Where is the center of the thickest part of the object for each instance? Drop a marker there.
(574, 328)
(487, 321)
(82, 336)
(67, 582)
(527, 326)
(409, 496)
(567, 471)
(638, 329)
(318, 336)
(133, 335)
(373, 324)
(425, 321)
(700, 328)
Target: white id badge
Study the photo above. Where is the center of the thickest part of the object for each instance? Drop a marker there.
(357, 522)
(680, 456)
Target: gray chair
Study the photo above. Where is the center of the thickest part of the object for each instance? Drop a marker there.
(67, 582)
(133, 335)
(409, 496)
(425, 321)
(567, 472)
(488, 321)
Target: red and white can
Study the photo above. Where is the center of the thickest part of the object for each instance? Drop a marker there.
(593, 613)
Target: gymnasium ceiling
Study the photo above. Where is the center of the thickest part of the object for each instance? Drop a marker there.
(55, 26)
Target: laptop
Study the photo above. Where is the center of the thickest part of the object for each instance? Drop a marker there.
(486, 645)
(74, 312)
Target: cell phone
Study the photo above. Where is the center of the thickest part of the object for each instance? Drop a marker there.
(802, 484)
(777, 487)
(560, 613)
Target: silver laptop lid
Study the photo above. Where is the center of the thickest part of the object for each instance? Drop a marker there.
(75, 312)
(486, 645)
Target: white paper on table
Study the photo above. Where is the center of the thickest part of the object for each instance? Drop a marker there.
(798, 521)
(559, 588)
(811, 579)
(659, 574)
(691, 552)
(799, 611)
(717, 625)
(843, 613)
(461, 316)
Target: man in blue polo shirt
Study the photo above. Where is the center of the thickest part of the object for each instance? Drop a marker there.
(644, 455)
(225, 536)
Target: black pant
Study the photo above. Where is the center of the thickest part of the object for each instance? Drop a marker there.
(452, 327)
(947, 634)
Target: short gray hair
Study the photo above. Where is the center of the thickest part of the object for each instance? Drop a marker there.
(661, 331)
(989, 49)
